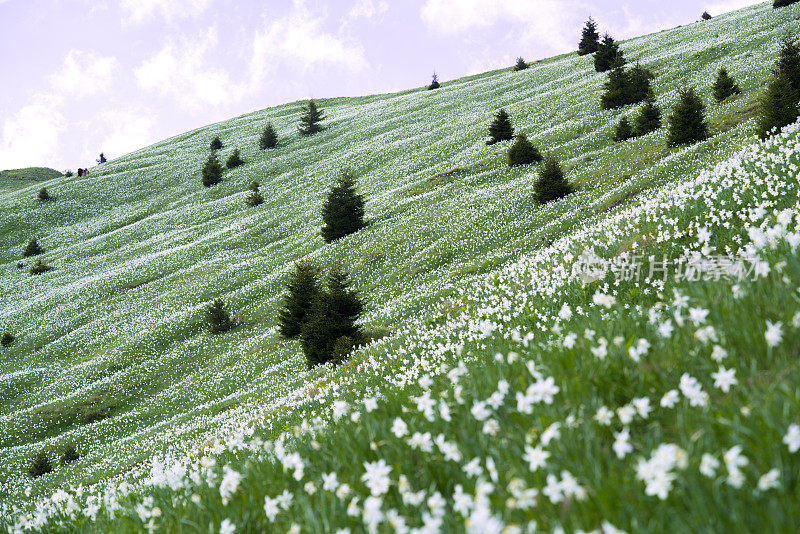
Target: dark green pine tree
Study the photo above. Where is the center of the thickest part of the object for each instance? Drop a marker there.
(649, 119)
(618, 89)
(40, 465)
(590, 39)
(32, 249)
(687, 124)
(783, 3)
(302, 291)
(520, 65)
(434, 82)
(333, 316)
(217, 318)
(779, 106)
(40, 268)
(501, 128)
(216, 144)
(624, 131)
(343, 211)
(102, 159)
(212, 171)
(522, 152)
(69, 454)
(254, 198)
(706, 15)
(789, 63)
(43, 196)
(310, 120)
(639, 79)
(7, 339)
(608, 55)
(551, 184)
(269, 138)
(724, 87)
(234, 160)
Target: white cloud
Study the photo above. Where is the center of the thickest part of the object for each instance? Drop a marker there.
(139, 10)
(368, 9)
(180, 70)
(31, 136)
(724, 6)
(129, 130)
(539, 22)
(84, 73)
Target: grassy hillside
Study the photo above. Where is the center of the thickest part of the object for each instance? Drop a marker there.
(458, 265)
(16, 178)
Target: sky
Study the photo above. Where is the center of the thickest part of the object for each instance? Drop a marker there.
(80, 77)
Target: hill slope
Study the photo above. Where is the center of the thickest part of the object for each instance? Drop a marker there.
(457, 264)
(16, 178)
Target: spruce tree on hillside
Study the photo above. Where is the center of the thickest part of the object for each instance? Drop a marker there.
(32, 249)
(217, 318)
(39, 268)
(783, 3)
(102, 159)
(310, 120)
(343, 211)
(706, 15)
(779, 107)
(522, 152)
(617, 89)
(254, 198)
(687, 124)
(551, 184)
(333, 316)
(724, 87)
(649, 119)
(434, 83)
(639, 79)
(501, 128)
(7, 339)
(234, 160)
(520, 65)
(69, 454)
(216, 144)
(212, 171)
(303, 290)
(43, 195)
(624, 131)
(269, 138)
(40, 465)
(789, 63)
(608, 55)
(590, 39)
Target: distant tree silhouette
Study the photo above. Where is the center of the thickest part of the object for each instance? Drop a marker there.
(434, 83)
(44, 196)
(234, 160)
(590, 39)
(687, 124)
(520, 65)
(310, 120)
(216, 144)
(101, 159)
(254, 198)
(706, 15)
(500, 129)
(269, 138)
(724, 87)
(783, 3)
(32, 249)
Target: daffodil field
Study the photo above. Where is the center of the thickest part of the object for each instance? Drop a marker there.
(511, 391)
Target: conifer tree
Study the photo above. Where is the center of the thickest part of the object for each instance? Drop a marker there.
(44, 196)
(212, 171)
(216, 144)
(40, 268)
(608, 55)
(623, 131)
(303, 290)
(234, 160)
(217, 318)
(32, 249)
(7, 339)
(434, 83)
(69, 454)
(269, 138)
(687, 124)
(310, 120)
(617, 88)
(789, 63)
(783, 3)
(706, 15)
(551, 184)
(102, 159)
(639, 79)
(724, 86)
(649, 119)
(590, 39)
(500, 129)
(520, 65)
(779, 106)
(343, 211)
(254, 198)
(333, 315)
(522, 152)
(40, 465)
